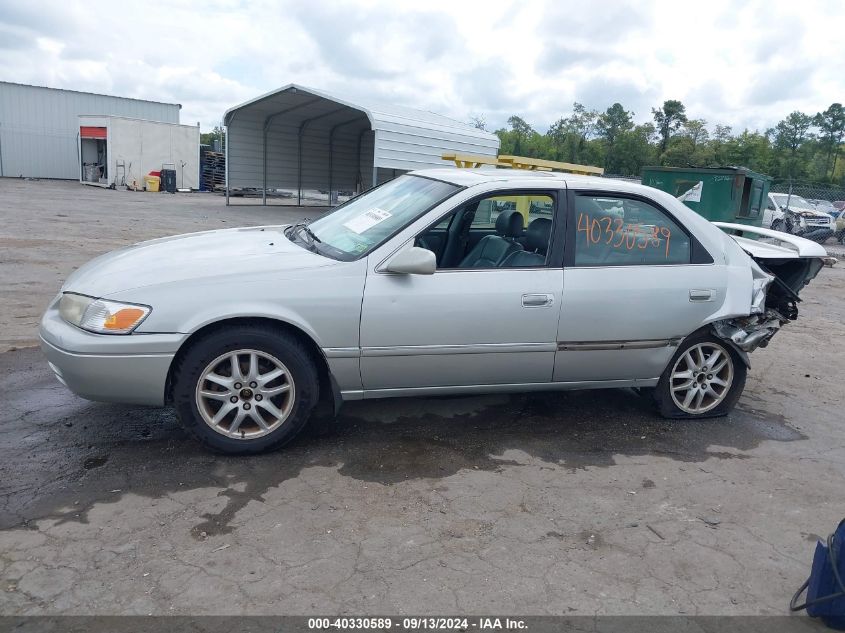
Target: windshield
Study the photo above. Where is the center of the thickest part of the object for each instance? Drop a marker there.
(365, 222)
(795, 202)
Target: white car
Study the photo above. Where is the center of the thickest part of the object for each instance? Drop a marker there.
(795, 215)
(442, 281)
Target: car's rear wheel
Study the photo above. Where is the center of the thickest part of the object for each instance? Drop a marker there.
(704, 379)
(245, 389)
(777, 225)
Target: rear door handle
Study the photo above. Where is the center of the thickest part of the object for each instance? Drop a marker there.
(537, 301)
(700, 294)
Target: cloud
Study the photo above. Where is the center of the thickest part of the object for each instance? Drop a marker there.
(14, 40)
(779, 87)
(742, 65)
(600, 93)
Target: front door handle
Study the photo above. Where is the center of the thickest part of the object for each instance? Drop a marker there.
(700, 294)
(537, 301)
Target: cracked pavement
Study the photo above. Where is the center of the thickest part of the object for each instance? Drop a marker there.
(575, 503)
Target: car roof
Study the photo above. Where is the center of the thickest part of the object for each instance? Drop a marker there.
(520, 177)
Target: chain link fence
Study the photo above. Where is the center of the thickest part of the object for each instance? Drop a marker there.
(811, 191)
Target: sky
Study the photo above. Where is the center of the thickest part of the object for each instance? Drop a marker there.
(744, 64)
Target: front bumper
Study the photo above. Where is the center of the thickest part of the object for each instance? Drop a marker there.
(129, 369)
(815, 233)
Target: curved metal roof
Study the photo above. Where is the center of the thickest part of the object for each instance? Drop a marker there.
(295, 98)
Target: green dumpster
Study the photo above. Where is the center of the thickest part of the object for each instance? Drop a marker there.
(723, 194)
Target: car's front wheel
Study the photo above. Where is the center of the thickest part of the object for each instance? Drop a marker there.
(704, 379)
(245, 389)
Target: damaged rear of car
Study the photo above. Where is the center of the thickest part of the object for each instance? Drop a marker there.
(780, 271)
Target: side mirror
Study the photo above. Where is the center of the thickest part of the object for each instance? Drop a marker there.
(413, 261)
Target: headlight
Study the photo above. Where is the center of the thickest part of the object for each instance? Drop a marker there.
(101, 316)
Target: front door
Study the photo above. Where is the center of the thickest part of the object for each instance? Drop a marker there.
(487, 316)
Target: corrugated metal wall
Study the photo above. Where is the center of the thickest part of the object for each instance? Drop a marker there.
(39, 126)
(407, 144)
(246, 153)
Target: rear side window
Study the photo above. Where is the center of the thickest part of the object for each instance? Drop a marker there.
(619, 231)
(530, 205)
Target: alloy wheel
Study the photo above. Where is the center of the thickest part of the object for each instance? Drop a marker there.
(245, 394)
(701, 378)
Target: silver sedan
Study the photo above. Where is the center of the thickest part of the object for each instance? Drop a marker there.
(438, 282)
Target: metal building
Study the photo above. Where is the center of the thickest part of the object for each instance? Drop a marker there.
(122, 151)
(39, 127)
(305, 146)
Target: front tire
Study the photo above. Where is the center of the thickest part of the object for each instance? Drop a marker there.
(704, 379)
(245, 389)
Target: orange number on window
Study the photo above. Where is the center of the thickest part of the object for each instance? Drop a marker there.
(584, 225)
(595, 226)
(607, 231)
(654, 240)
(642, 243)
(665, 232)
(631, 237)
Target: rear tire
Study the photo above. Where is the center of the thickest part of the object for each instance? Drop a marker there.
(245, 389)
(704, 379)
(777, 225)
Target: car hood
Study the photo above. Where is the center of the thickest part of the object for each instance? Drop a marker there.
(221, 253)
(809, 213)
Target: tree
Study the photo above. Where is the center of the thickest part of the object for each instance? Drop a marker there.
(831, 123)
(521, 132)
(788, 150)
(634, 149)
(669, 119)
(789, 135)
(721, 135)
(696, 131)
(477, 121)
(679, 152)
(207, 137)
(750, 149)
(568, 135)
(610, 124)
(557, 135)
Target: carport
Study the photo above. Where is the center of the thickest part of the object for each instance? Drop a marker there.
(301, 146)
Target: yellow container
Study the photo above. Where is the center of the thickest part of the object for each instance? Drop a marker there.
(152, 182)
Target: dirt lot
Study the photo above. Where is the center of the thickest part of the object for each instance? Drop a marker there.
(559, 503)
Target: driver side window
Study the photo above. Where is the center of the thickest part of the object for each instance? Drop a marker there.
(507, 230)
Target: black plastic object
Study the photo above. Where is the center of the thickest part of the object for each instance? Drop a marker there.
(168, 180)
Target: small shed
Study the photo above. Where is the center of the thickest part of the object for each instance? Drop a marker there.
(115, 150)
(723, 194)
(303, 146)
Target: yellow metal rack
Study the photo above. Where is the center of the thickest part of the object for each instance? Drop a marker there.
(521, 162)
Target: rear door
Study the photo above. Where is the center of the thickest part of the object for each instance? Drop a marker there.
(635, 283)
